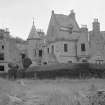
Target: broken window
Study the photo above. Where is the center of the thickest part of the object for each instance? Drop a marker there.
(1, 68)
(83, 47)
(40, 53)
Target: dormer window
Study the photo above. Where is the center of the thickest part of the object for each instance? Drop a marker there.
(70, 30)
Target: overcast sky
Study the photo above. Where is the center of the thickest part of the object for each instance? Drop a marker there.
(17, 15)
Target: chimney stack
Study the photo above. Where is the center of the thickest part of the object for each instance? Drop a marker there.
(72, 14)
(96, 26)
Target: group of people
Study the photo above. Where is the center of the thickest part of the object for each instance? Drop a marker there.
(14, 70)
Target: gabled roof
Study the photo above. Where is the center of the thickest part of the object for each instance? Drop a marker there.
(66, 21)
(60, 25)
(33, 33)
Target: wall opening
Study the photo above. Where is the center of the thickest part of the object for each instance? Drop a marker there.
(40, 53)
(1, 68)
(3, 47)
(1, 56)
(65, 47)
(99, 61)
(83, 47)
(52, 48)
(69, 61)
(48, 50)
(45, 63)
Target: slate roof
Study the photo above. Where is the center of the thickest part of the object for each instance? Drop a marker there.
(66, 21)
(63, 27)
(33, 33)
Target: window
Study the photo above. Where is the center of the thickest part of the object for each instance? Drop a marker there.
(83, 47)
(1, 35)
(40, 53)
(1, 56)
(44, 63)
(2, 46)
(1, 68)
(48, 50)
(69, 61)
(35, 52)
(84, 60)
(70, 30)
(99, 61)
(65, 47)
(52, 49)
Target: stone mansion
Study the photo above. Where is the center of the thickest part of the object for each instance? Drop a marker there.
(65, 42)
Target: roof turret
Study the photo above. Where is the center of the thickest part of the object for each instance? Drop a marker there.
(33, 33)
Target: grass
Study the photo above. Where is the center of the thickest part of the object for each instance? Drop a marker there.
(47, 90)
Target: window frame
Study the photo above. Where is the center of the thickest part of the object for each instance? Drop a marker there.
(40, 53)
(83, 47)
(2, 56)
(65, 47)
(52, 48)
(2, 68)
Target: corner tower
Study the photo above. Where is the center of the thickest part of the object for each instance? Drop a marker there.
(33, 44)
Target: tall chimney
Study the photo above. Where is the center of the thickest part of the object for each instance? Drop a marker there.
(96, 26)
(72, 14)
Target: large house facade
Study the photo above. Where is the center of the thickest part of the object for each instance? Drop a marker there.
(9, 52)
(33, 47)
(65, 42)
(97, 44)
(69, 43)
